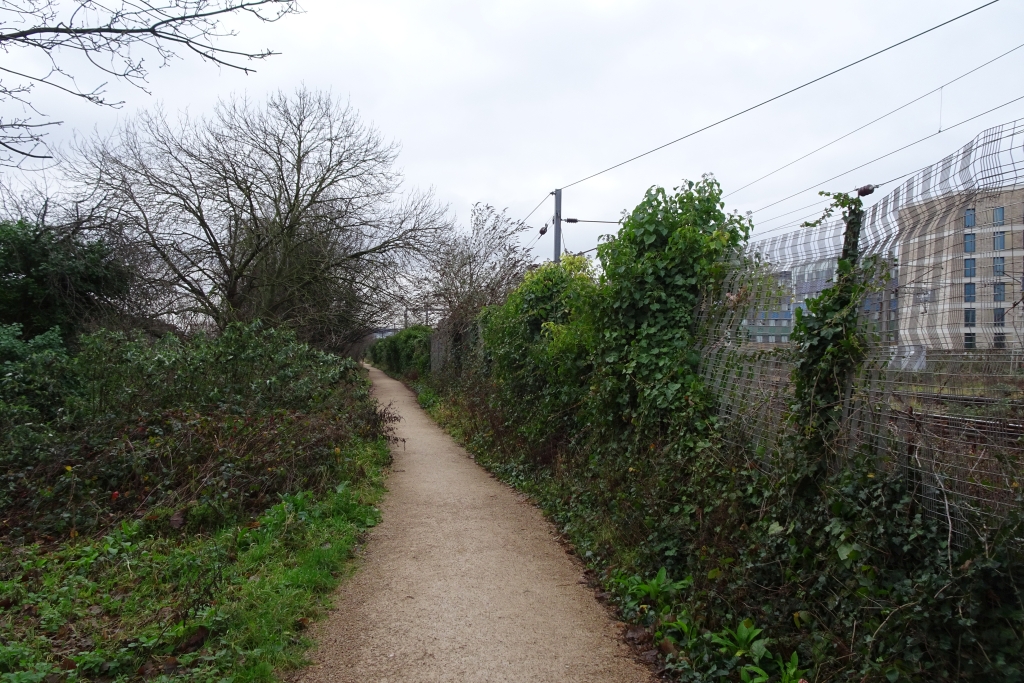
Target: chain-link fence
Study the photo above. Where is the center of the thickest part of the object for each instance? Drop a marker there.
(941, 394)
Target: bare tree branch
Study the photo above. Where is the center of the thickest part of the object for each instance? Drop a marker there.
(290, 211)
(115, 36)
(473, 268)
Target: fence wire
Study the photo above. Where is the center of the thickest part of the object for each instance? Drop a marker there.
(941, 395)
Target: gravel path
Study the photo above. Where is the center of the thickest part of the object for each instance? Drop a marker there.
(462, 581)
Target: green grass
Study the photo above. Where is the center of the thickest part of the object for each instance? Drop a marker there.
(230, 605)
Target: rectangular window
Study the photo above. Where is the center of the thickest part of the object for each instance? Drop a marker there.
(969, 292)
(998, 215)
(999, 265)
(969, 218)
(771, 338)
(968, 267)
(999, 291)
(998, 241)
(999, 317)
(1000, 340)
(969, 243)
(970, 317)
(970, 340)
(785, 339)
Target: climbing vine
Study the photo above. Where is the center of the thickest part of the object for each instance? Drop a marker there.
(588, 397)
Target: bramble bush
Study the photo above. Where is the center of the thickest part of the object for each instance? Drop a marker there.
(587, 395)
(208, 429)
(176, 507)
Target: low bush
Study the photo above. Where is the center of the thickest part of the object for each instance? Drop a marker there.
(176, 507)
(209, 429)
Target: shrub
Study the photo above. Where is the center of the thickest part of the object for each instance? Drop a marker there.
(51, 278)
(588, 396)
(405, 354)
(208, 429)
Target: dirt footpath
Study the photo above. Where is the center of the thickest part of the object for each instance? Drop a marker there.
(462, 581)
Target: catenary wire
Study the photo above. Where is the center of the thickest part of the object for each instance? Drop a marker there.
(857, 130)
(539, 204)
(792, 223)
(780, 96)
(888, 154)
(802, 208)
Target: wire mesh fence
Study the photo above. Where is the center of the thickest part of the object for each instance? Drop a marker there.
(940, 396)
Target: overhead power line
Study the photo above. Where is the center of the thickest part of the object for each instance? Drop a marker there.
(781, 95)
(883, 116)
(539, 204)
(889, 154)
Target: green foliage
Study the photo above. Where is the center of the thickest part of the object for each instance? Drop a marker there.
(233, 603)
(211, 429)
(829, 344)
(405, 353)
(539, 347)
(51, 279)
(173, 508)
(587, 397)
(671, 248)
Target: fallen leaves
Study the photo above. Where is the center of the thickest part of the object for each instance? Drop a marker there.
(177, 520)
(195, 641)
(637, 635)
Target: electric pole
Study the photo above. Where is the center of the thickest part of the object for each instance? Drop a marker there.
(558, 225)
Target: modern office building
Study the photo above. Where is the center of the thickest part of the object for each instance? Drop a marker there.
(960, 264)
(956, 277)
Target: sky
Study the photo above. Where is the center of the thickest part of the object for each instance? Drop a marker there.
(500, 102)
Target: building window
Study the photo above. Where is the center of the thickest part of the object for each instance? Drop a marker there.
(968, 267)
(999, 317)
(771, 338)
(760, 339)
(1000, 340)
(999, 291)
(969, 218)
(970, 317)
(998, 240)
(969, 292)
(970, 340)
(999, 265)
(785, 339)
(969, 243)
(997, 217)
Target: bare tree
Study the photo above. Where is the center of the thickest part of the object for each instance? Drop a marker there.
(291, 212)
(474, 268)
(115, 37)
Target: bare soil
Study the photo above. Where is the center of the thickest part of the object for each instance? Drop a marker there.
(464, 580)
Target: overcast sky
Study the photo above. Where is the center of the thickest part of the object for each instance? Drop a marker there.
(501, 102)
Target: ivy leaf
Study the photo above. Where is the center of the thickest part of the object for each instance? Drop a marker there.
(848, 552)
